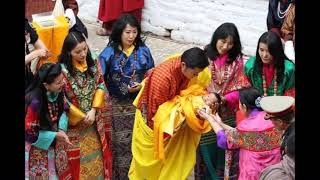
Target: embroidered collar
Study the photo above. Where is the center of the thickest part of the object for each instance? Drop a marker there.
(82, 67)
(52, 96)
(221, 60)
(128, 51)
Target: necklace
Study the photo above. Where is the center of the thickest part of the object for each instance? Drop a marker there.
(223, 74)
(122, 64)
(281, 14)
(53, 111)
(275, 84)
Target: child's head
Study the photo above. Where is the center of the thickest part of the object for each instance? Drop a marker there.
(213, 100)
(249, 99)
(209, 98)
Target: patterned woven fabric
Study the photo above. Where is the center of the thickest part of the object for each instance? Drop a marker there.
(82, 97)
(123, 113)
(91, 162)
(257, 141)
(162, 84)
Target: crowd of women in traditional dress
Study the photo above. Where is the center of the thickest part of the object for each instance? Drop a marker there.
(79, 112)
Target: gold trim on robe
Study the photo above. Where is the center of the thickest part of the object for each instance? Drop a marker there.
(75, 115)
(98, 99)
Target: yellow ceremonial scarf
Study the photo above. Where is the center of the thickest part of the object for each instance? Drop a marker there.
(82, 67)
(171, 114)
(128, 51)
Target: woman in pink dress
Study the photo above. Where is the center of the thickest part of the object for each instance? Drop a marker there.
(257, 138)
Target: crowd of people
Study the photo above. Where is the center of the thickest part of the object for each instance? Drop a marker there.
(204, 114)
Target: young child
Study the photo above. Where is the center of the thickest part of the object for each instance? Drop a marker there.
(183, 110)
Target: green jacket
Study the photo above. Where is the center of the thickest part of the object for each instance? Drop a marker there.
(283, 88)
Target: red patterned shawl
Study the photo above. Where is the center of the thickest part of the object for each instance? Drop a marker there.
(103, 121)
(161, 85)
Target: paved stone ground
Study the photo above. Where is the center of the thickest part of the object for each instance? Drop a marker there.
(160, 47)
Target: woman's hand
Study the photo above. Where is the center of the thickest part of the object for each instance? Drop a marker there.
(209, 117)
(203, 114)
(90, 117)
(62, 136)
(134, 88)
(42, 53)
(212, 119)
(217, 118)
(38, 53)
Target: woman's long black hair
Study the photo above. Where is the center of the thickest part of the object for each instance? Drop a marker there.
(70, 42)
(118, 28)
(222, 32)
(273, 41)
(47, 74)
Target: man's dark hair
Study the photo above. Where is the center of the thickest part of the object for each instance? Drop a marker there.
(195, 58)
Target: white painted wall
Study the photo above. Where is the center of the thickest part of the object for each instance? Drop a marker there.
(194, 21)
(88, 10)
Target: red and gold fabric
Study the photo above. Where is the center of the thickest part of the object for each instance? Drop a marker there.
(94, 140)
(161, 85)
(256, 141)
(236, 78)
(42, 162)
(288, 26)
